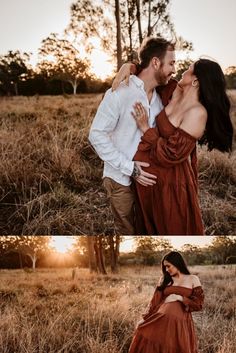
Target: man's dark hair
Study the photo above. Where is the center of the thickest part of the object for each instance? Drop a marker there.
(154, 47)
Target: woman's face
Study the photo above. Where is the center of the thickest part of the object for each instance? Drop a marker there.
(188, 77)
(171, 269)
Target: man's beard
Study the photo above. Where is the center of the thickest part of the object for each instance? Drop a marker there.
(161, 78)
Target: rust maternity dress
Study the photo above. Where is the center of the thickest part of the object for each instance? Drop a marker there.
(168, 327)
(170, 206)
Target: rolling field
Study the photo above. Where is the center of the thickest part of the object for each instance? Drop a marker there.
(50, 177)
(48, 311)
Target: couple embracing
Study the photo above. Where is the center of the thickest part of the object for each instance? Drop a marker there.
(146, 133)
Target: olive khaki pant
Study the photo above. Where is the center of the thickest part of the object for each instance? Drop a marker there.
(122, 205)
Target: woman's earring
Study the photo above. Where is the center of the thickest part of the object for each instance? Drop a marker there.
(194, 83)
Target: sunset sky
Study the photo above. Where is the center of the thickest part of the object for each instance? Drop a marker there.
(63, 244)
(209, 24)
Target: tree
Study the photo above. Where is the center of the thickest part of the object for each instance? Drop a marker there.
(149, 18)
(230, 77)
(60, 60)
(90, 20)
(114, 245)
(222, 247)
(31, 246)
(134, 20)
(192, 254)
(182, 65)
(151, 248)
(91, 253)
(13, 68)
(118, 34)
(100, 250)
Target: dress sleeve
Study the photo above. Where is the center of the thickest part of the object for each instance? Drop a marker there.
(154, 303)
(195, 301)
(167, 152)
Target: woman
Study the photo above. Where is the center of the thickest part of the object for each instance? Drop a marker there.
(168, 326)
(198, 110)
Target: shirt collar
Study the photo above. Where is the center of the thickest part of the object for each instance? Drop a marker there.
(139, 83)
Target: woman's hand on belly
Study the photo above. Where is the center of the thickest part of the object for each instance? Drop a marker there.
(139, 323)
(173, 298)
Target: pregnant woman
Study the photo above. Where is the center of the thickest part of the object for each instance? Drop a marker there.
(198, 110)
(168, 326)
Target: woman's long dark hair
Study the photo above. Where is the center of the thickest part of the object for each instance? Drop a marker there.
(176, 259)
(212, 88)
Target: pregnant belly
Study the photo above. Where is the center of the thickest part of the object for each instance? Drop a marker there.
(175, 309)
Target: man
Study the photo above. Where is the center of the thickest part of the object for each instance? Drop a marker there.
(114, 133)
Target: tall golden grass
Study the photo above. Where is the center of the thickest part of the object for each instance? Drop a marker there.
(49, 312)
(50, 177)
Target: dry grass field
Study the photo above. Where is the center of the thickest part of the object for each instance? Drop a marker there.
(50, 178)
(49, 312)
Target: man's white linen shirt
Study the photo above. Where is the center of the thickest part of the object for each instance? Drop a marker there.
(114, 133)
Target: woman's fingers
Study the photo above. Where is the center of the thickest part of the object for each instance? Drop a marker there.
(139, 110)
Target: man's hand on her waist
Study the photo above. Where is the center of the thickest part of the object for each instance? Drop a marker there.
(142, 177)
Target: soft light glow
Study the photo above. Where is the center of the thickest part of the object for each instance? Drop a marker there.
(62, 244)
(101, 66)
(176, 241)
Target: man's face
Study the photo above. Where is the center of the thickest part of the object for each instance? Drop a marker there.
(167, 68)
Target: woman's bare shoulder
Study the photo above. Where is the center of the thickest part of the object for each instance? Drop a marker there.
(195, 121)
(195, 281)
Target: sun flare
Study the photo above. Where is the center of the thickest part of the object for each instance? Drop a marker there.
(62, 244)
(101, 66)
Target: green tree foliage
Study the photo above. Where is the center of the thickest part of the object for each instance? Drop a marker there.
(193, 254)
(60, 60)
(151, 248)
(13, 69)
(222, 247)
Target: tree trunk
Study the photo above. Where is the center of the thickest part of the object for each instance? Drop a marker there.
(118, 35)
(33, 259)
(149, 18)
(114, 252)
(130, 55)
(34, 262)
(16, 88)
(63, 87)
(74, 87)
(99, 254)
(20, 260)
(91, 254)
(140, 35)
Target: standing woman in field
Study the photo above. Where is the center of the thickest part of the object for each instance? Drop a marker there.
(196, 109)
(168, 326)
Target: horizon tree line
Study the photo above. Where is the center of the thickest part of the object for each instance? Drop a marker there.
(101, 252)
